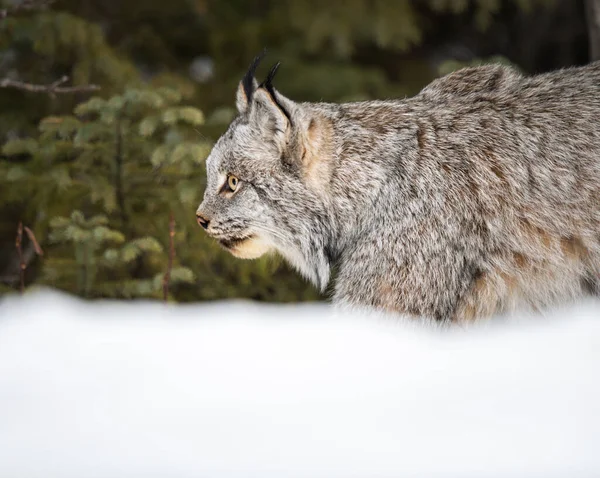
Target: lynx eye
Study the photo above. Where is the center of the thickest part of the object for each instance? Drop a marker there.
(232, 182)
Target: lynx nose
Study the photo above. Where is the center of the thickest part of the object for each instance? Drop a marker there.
(202, 221)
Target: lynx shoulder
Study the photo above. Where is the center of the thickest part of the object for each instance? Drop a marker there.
(478, 195)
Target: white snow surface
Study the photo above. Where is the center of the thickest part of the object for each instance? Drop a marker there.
(238, 389)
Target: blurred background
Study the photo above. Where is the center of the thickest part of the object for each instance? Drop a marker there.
(108, 109)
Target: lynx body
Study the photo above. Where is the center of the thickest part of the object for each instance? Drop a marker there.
(478, 195)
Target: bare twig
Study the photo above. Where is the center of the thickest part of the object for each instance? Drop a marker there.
(36, 245)
(19, 246)
(592, 11)
(51, 89)
(22, 266)
(119, 191)
(23, 6)
(167, 276)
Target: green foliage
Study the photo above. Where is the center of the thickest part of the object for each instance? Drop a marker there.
(85, 237)
(107, 160)
(484, 9)
(132, 251)
(344, 25)
(45, 45)
(339, 50)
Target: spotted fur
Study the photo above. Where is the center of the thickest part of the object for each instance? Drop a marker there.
(478, 195)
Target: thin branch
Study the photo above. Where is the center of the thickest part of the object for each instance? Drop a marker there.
(19, 246)
(36, 245)
(22, 266)
(592, 13)
(51, 89)
(119, 191)
(24, 5)
(167, 276)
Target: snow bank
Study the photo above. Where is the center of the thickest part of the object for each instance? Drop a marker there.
(244, 390)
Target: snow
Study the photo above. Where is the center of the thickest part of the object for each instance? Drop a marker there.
(237, 389)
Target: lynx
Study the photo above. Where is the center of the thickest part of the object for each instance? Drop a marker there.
(476, 196)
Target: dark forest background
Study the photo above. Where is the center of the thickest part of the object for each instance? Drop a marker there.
(108, 109)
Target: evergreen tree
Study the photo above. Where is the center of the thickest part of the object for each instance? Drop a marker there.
(128, 158)
(340, 50)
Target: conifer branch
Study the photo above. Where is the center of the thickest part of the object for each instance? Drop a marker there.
(24, 5)
(51, 89)
(167, 276)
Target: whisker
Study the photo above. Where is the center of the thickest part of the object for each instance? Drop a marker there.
(276, 233)
(202, 135)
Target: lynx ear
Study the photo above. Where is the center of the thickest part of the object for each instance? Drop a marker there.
(248, 85)
(243, 96)
(272, 110)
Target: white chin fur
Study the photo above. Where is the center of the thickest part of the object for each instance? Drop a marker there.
(251, 248)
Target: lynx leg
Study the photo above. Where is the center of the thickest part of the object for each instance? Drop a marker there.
(485, 298)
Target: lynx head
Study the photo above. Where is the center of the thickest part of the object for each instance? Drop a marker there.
(267, 180)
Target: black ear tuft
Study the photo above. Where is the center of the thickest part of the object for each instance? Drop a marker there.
(268, 85)
(248, 80)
